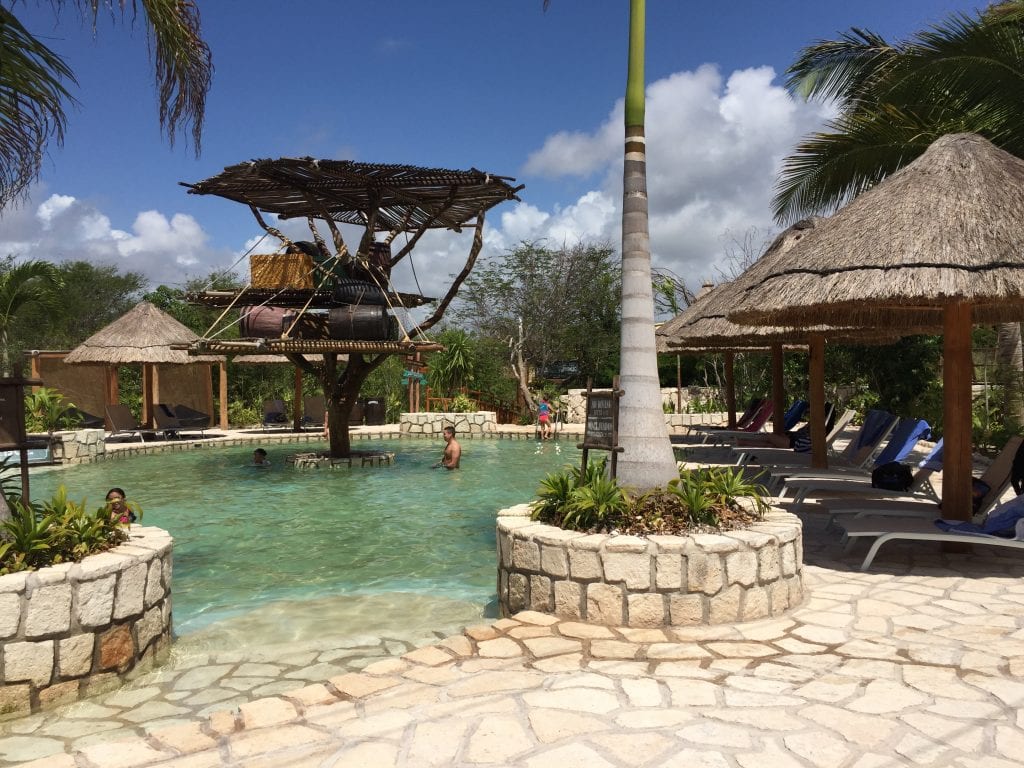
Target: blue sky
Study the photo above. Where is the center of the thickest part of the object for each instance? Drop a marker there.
(499, 86)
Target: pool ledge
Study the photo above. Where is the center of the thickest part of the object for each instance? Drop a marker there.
(75, 629)
(653, 581)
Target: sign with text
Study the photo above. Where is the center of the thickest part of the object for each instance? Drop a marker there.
(601, 429)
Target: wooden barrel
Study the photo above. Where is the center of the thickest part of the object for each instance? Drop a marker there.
(262, 322)
(359, 323)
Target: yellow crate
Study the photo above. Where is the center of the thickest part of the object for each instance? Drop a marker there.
(281, 270)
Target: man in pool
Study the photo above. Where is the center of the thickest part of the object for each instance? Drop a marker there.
(259, 458)
(452, 450)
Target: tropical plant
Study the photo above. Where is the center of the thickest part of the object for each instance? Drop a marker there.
(647, 460)
(46, 410)
(22, 285)
(56, 530)
(33, 91)
(462, 404)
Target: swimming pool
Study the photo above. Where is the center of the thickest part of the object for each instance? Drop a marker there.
(284, 555)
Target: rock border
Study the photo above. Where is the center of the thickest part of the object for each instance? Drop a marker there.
(653, 581)
(76, 628)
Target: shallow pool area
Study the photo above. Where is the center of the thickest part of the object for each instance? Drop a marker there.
(282, 555)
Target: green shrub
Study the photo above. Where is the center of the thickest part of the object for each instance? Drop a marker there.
(697, 500)
(462, 404)
(55, 531)
(46, 410)
(242, 415)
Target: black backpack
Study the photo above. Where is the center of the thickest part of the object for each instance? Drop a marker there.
(892, 477)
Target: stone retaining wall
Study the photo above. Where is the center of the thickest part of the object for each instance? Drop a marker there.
(79, 446)
(75, 628)
(475, 423)
(649, 582)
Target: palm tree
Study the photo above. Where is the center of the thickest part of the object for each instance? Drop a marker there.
(33, 93)
(31, 282)
(965, 74)
(647, 460)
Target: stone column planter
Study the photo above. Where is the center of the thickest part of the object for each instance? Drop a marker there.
(68, 629)
(650, 581)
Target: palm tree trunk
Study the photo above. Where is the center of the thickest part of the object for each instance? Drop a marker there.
(647, 460)
(1009, 360)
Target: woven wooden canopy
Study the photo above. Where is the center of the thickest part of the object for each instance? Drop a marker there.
(405, 198)
(310, 347)
(947, 228)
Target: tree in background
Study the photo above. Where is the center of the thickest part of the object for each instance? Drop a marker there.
(558, 305)
(28, 284)
(34, 91)
(965, 74)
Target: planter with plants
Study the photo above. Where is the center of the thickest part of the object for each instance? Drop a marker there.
(705, 550)
(84, 597)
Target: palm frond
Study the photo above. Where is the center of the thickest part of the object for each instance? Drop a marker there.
(32, 99)
(840, 69)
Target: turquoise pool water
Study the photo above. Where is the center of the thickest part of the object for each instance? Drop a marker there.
(278, 554)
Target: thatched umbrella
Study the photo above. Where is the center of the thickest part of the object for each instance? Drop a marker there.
(147, 336)
(705, 323)
(940, 244)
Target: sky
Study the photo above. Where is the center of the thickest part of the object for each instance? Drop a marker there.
(503, 87)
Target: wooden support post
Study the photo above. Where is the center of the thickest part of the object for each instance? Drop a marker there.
(816, 355)
(223, 394)
(148, 374)
(730, 389)
(778, 391)
(957, 369)
(113, 395)
(297, 404)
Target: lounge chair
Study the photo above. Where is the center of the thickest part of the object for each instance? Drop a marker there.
(775, 456)
(84, 420)
(915, 521)
(756, 424)
(741, 421)
(314, 409)
(123, 422)
(904, 438)
(165, 421)
(858, 491)
(274, 414)
(189, 418)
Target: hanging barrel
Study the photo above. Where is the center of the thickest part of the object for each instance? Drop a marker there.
(262, 322)
(359, 323)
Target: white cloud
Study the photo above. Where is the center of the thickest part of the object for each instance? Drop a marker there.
(714, 145)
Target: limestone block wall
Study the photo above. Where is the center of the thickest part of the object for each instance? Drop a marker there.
(475, 423)
(74, 628)
(653, 581)
(574, 402)
(80, 445)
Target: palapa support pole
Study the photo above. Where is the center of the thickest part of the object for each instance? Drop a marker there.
(957, 369)
(148, 374)
(223, 394)
(816, 364)
(113, 393)
(778, 391)
(730, 389)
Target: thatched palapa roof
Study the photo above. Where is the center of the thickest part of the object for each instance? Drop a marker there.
(705, 323)
(144, 334)
(949, 227)
(395, 197)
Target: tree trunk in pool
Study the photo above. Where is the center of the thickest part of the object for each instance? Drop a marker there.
(341, 390)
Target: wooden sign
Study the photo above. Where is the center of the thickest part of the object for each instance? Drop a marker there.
(601, 430)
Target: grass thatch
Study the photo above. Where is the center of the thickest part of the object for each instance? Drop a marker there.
(144, 334)
(949, 227)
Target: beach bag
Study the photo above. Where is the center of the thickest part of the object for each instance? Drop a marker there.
(892, 476)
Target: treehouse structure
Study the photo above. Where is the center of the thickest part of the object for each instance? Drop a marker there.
(333, 311)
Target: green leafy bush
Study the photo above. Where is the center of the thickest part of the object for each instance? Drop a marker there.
(697, 501)
(55, 531)
(46, 410)
(462, 404)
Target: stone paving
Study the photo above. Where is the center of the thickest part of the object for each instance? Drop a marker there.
(916, 663)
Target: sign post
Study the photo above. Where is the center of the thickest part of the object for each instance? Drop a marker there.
(601, 431)
(12, 421)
